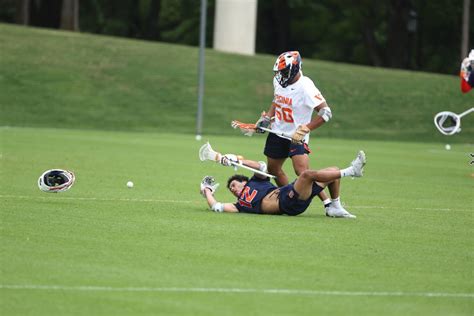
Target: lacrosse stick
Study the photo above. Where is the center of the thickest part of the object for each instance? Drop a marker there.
(247, 129)
(281, 134)
(207, 153)
(441, 118)
(237, 124)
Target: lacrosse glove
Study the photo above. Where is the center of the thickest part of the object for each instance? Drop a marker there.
(209, 183)
(228, 159)
(299, 134)
(264, 121)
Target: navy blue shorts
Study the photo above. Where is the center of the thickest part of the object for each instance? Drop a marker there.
(289, 202)
(279, 148)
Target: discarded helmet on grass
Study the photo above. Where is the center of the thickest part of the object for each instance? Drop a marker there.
(56, 180)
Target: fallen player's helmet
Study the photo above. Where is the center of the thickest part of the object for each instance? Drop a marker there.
(56, 180)
(286, 67)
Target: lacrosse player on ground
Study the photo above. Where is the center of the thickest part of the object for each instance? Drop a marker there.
(291, 113)
(259, 196)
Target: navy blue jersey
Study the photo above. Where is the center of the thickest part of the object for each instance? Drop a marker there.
(254, 191)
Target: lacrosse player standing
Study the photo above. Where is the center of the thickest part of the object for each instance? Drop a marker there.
(467, 72)
(295, 99)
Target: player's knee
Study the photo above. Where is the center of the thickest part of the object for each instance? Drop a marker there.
(300, 169)
(307, 175)
(275, 170)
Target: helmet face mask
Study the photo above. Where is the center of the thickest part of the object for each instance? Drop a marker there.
(286, 68)
(56, 180)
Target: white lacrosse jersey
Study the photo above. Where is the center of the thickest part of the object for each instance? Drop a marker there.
(294, 105)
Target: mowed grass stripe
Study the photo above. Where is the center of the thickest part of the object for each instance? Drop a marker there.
(230, 290)
(23, 197)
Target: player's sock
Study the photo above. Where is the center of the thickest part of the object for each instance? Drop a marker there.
(348, 172)
(336, 202)
(327, 202)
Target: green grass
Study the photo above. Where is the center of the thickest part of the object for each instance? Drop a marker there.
(413, 233)
(72, 80)
(125, 110)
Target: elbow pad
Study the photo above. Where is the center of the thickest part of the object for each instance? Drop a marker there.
(325, 113)
(263, 166)
(217, 207)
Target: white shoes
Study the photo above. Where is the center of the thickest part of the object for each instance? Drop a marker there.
(333, 211)
(358, 164)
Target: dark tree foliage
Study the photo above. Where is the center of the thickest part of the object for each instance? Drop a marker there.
(175, 21)
(129, 18)
(409, 34)
(45, 13)
(8, 11)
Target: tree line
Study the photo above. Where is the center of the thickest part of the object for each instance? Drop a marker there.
(408, 34)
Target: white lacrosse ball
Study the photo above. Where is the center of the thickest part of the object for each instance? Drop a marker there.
(130, 184)
(448, 147)
(198, 137)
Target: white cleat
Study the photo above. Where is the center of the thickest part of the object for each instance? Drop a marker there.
(358, 164)
(332, 211)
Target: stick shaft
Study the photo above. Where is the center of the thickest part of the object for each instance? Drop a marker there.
(284, 135)
(252, 169)
(466, 112)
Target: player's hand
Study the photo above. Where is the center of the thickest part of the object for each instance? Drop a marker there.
(264, 121)
(299, 134)
(208, 183)
(246, 129)
(228, 159)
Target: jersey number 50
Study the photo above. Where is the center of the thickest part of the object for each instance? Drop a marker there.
(285, 114)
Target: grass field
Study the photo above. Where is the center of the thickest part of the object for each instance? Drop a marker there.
(104, 249)
(125, 110)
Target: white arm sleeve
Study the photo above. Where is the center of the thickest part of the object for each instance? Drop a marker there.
(325, 113)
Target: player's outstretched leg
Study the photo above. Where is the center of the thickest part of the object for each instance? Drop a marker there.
(335, 209)
(357, 166)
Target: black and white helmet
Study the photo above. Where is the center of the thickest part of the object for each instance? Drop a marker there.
(286, 68)
(56, 180)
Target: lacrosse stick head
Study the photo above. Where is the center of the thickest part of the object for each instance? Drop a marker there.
(246, 129)
(207, 153)
(448, 123)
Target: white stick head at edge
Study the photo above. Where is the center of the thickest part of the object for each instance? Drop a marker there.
(441, 118)
(207, 153)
